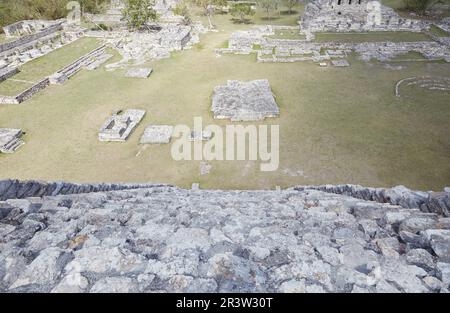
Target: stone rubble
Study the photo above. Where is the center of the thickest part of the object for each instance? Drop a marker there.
(244, 101)
(167, 239)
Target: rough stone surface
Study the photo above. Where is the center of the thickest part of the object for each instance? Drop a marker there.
(119, 126)
(157, 134)
(162, 238)
(244, 101)
(139, 73)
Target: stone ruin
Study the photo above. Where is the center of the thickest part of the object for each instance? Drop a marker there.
(157, 134)
(426, 82)
(139, 73)
(244, 101)
(38, 42)
(257, 40)
(27, 27)
(355, 15)
(76, 238)
(10, 140)
(119, 126)
(140, 47)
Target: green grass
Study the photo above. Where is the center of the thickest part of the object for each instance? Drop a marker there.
(337, 125)
(287, 34)
(438, 31)
(372, 37)
(412, 55)
(39, 68)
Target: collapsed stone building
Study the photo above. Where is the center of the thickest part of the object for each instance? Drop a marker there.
(355, 15)
(63, 237)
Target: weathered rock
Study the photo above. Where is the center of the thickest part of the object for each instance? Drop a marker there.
(422, 258)
(45, 269)
(439, 240)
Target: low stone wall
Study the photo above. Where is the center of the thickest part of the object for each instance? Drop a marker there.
(26, 94)
(16, 189)
(434, 202)
(33, 90)
(30, 38)
(7, 73)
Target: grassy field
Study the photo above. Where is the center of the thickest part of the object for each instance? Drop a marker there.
(338, 125)
(287, 34)
(39, 68)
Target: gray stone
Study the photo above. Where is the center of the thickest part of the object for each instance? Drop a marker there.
(421, 258)
(45, 269)
(244, 101)
(139, 73)
(157, 134)
(115, 285)
(439, 240)
(443, 273)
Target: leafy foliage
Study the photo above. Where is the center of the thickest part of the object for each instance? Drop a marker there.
(16, 10)
(242, 10)
(139, 12)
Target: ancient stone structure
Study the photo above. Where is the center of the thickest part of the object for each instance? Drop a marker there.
(8, 72)
(92, 60)
(140, 47)
(119, 126)
(157, 134)
(269, 49)
(112, 15)
(355, 15)
(162, 238)
(10, 140)
(244, 101)
(27, 27)
(426, 82)
(139, 72)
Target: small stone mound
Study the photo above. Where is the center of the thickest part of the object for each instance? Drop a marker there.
(244, 101)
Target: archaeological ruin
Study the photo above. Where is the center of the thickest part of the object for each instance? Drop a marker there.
(157, 134)
(119, 126)
(10, 140)
(244, 101)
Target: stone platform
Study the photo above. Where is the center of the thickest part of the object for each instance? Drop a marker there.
(119, 126)
(244, 101)
(10, 140)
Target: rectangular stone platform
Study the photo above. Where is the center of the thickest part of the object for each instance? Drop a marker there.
(119, 126)
(10, 140)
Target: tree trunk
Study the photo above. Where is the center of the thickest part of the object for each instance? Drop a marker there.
(211, 26)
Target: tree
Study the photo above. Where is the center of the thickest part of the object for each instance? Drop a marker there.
(268, 6)
(182, 9)
(139, 12)
(210, 8)
(290, 4)
(242, 10)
